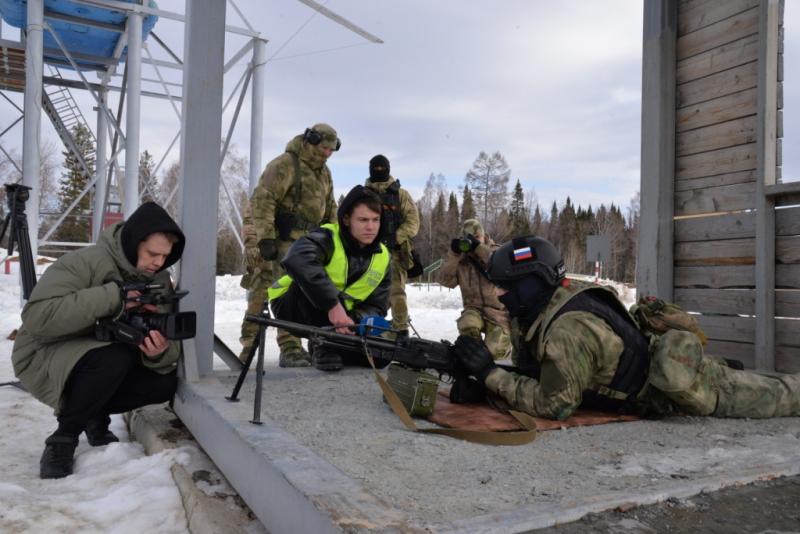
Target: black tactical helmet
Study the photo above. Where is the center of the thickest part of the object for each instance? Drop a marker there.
(524, 256)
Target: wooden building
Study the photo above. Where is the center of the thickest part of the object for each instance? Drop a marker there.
(720, 232)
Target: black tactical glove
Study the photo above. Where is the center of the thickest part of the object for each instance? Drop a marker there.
(475, 357)
(268, 249)
(464, 244)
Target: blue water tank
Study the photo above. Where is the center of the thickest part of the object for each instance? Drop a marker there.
(77, 38)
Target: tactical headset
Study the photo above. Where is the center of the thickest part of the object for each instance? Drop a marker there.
(313, 137)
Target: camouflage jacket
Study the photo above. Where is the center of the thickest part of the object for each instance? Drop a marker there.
(577, 352)
(408, 228)
(468, 271)
(277, 192)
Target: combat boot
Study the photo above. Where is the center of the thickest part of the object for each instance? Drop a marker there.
(97, 432)
(294, 357)
(325, 359)
(58, 456)
(402, 335)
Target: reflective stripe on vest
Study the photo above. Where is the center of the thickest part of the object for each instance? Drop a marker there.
(336, 269)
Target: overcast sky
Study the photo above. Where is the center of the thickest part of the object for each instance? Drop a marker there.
(555, 86)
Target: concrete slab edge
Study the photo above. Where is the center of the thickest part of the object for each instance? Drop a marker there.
(288, 486)
(534, 517)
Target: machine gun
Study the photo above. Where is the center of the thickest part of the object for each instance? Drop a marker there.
(412, 352)
(133, 326)
(16, 196)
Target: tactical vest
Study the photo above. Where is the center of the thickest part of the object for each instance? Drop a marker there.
(391, 215)
(336, 269)
(634, 362)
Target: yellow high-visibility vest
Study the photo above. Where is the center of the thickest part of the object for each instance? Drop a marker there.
(336, 269)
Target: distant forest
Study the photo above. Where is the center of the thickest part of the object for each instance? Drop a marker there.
(504, 214)
(484, 194)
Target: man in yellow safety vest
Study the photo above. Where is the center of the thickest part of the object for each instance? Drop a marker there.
(337, 275)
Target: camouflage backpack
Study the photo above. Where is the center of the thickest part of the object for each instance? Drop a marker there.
(656, 316)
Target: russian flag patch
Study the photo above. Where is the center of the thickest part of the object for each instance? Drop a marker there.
(523, 253)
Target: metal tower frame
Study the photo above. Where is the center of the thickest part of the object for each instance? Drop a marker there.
(109, 124)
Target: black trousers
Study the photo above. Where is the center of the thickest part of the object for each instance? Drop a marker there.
(294, 306)
(108, 380)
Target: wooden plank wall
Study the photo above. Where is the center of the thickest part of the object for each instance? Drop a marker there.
(715, 172)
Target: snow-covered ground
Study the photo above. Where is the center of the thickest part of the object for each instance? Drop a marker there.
(118, 488)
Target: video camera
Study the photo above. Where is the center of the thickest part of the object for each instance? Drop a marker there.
(133, 326)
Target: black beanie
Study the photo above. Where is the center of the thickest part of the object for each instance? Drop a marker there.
(150, 218)
(379, 168)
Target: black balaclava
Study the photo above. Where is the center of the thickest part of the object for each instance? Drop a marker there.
(150, 218)
(527, 297)
(379, 168)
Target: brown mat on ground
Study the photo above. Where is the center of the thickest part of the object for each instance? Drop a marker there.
(484, 417)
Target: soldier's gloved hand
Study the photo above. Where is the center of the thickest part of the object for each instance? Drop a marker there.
(474, 356)
(252, 257)
(268, 249)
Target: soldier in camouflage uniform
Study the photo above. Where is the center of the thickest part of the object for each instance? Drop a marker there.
(580, 345)
(465, 266)
(294, 195)
(399, 224)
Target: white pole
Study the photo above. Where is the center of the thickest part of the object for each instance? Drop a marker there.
(101, 170)
(133, 116)
(32, 123)
(257, 114)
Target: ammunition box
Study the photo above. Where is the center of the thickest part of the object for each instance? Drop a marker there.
(415, 388)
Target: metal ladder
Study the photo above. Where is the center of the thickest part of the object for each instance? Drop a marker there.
(65, 115)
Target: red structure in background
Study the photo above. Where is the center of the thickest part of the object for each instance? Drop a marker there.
(112, 215)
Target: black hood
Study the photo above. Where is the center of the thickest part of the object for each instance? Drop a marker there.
(355, 195)
(150, 218)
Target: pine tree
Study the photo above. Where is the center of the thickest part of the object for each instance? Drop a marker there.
(452, 226)
(518, 215)
(467, 205)
(438, 230)
(538, 222)
(76, 227)
(552, 231)
(148, 186)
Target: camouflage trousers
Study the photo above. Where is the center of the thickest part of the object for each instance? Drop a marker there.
(497, 339)
(397, 297)
(256, 282)
(701, 385)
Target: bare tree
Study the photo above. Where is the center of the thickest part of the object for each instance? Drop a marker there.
(488, 181)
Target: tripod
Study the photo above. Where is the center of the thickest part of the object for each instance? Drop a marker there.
(17, 195)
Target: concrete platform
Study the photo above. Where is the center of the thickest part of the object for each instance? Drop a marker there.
(330, 456)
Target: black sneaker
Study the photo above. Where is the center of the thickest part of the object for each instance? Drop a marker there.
(58, 456)
(98, 434)
(326, 360)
